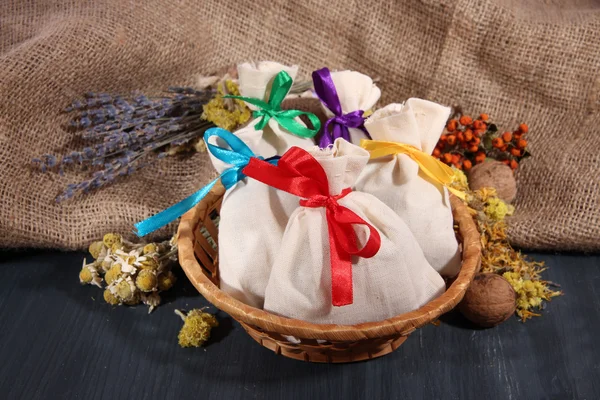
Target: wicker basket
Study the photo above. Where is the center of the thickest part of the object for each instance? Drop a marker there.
(299, 339)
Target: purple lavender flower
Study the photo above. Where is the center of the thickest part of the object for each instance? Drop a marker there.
(129, 133)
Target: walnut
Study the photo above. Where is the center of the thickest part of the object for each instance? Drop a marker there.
(489, 301)
(496, 175)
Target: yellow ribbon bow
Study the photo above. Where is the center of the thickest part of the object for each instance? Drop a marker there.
(431, 166)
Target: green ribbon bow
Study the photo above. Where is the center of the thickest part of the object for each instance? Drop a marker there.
(285, 118)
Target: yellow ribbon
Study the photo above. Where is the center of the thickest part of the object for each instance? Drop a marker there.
(431, 166)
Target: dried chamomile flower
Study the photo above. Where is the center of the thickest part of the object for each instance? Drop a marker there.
(166, 280)
(134, 300)
(196, 328)
(150, 263)
(110, 298)
(150, 248)
(89, 275)
(113, 273)
(111, 238)
(96, 249)
(151, 300)
(124, 289)
(146, 280)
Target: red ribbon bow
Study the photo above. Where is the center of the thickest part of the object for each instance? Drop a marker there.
(298, 173)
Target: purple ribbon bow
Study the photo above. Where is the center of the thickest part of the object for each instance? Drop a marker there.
(325, 90)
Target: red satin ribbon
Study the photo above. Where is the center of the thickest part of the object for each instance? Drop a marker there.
(298, 173)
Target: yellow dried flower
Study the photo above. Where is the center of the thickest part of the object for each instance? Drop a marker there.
(110, 298)
(124, 290)
(95, 249)
(226, 113)
(498, 256)
(497, 209)
(459, 180)
(116, 246)
(150, 263)
(166, 280)
(150, 248)
(111, 238)
(146, 280)
(85, 275)
(135, 299)
(113, 273)
(196, 328)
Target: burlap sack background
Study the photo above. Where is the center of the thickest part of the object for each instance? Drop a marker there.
(538, 63)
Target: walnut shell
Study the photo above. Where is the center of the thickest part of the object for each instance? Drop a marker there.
(489, 300)
(496, 175)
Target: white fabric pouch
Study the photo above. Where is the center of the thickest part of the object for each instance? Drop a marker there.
(396, 180)
(255, 81)
(397, 279)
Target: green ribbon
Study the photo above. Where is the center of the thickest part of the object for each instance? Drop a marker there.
(285, 118)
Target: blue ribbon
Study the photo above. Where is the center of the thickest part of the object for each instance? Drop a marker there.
(239, 156)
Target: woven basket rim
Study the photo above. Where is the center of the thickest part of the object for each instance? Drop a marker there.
(402, 324)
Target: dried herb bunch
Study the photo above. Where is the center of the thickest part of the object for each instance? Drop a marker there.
(499, 257)
(467, 141)
(127, 133)
(133, 273)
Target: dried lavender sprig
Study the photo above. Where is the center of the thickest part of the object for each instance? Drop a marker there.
(127, 131)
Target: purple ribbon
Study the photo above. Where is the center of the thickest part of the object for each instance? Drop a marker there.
(325, 90)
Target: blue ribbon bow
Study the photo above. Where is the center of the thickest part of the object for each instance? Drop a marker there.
(238, 157)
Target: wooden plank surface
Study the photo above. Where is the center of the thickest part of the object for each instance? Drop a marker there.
(60, 340)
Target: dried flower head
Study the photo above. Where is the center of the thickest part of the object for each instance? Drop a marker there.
(96, 249)
(110, 298)
(166, 280)
(112, 238)
(196, 328)
(113, 273)
(146, 280)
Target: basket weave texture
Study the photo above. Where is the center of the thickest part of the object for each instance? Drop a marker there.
(198, 256)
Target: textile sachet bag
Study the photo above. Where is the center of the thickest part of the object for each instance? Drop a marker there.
(405, 178)
(263, 87)
(345, 97)
(253, 217)
(345, 257)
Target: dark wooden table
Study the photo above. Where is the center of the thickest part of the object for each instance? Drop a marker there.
(61, 340)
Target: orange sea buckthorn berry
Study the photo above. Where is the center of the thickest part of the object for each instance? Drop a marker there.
(514, 164)
(521, 144)
(506, 162)
(515, 152)
(517, 136)
(507, 137)
(479, 132)
(484, 117)
(440, 145)
(460, 136)
(437, 152)
(469, 135)
(467, 165)
(476, 141)
(473, 148)
(465, 120)
(447, 158)
(504, 148)
(497, 142)
(451, 140)
(480, 125)
(480, 157)
(523, 128)
(455, 158)
(451, 126)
